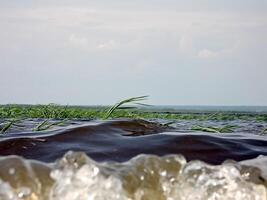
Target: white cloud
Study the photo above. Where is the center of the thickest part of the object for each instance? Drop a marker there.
(90, 40)
(109, 45)
(78, 41)
(207, 54)
(186, 44)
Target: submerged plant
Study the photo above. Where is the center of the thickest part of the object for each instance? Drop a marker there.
(209, 116)
(264, 131)
(53, 111)
(41, 125)
(211, 129)
(133, 100)
(46, 125)
(8, 125)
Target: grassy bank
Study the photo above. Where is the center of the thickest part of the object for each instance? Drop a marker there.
(53, 111)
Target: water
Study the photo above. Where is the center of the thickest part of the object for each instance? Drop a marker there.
(133, 160)
(194, 109)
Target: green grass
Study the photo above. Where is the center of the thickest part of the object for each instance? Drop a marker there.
(11, 114)
(52, 111)
(264, 131)
(46, 124)
(133, 100)
(6, 126)
(212, 129)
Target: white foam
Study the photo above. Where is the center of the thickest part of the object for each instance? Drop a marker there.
(146, 177)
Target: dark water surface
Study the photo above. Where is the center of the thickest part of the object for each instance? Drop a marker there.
(122, 140)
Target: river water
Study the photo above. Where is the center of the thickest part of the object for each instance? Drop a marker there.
(133, 160)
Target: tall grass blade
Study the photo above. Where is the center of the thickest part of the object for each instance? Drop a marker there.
(205, 129)
(133, 100)
(41, 125)
(46, 125)
(264, 131)
(210, 129)
(8, 125)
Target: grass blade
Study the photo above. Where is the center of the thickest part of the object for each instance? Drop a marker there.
(45, 125)
(264, 131)
(210, 129)
(205, 129)
(7, 126)
(41, 125)
(123, 102)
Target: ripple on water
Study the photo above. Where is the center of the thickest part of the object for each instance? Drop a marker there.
(120, 140)
(117, 168)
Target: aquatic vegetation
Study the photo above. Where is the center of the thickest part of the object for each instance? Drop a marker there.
(262, 118)
(50, 111)
(264, 131)
(46, 125)
(8, 125)
(133, 100)
(53, 111)
(211, 129)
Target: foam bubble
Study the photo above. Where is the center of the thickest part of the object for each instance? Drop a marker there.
(145, 177)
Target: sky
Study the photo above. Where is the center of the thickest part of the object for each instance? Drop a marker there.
(179, 52)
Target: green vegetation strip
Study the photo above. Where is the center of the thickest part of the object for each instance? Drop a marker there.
(123, 109)
(53, 111)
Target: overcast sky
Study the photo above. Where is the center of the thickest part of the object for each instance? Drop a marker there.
(180, 52)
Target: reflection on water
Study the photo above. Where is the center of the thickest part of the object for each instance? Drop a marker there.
(116, 170)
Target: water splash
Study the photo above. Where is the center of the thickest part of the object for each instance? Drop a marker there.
(145, 177)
